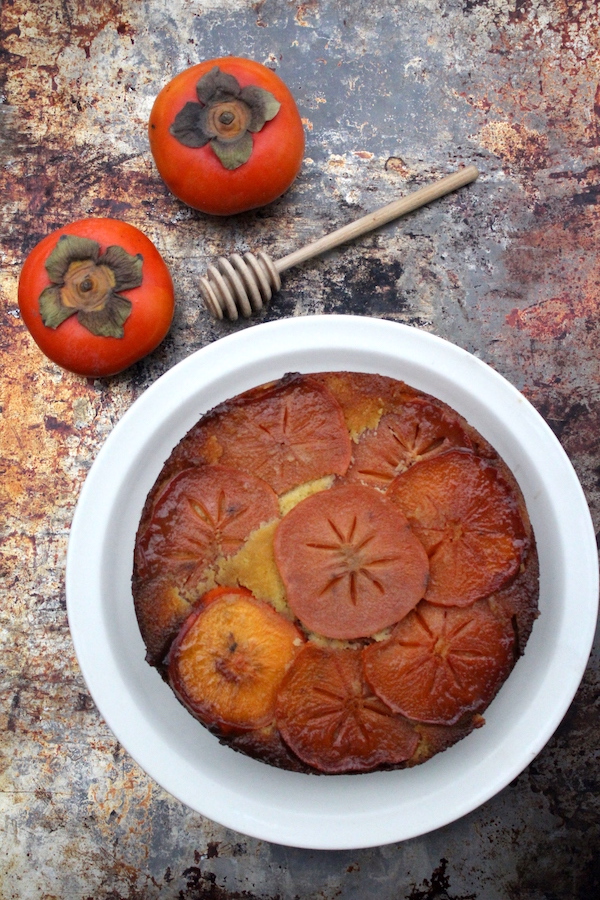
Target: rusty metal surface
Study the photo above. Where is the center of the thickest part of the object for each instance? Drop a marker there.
(392, 95)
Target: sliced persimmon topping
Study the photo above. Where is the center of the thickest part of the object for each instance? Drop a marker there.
(204, 512)
(468, 519)
(223, 591)
(331, 720)
(229, 658)
(441, 663)
(419, 431)
(349, 562)
(288, 434)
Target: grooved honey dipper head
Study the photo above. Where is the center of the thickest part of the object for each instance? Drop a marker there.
(239, 285)
(243, 285)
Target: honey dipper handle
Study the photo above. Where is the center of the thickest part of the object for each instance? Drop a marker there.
(379, 217)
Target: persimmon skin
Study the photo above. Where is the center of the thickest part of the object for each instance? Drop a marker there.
(196, 176)
(419, 430)
(72, 346)
(223, 591)
(268, 434)
(467, 517)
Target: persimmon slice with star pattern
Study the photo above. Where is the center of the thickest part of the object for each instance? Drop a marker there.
(203, 513)
(441, 663)
(469, 521)
(419, 430)
(331, 720)
(349, 562)
(288, 434)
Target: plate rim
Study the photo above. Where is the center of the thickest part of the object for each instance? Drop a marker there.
(326, 331)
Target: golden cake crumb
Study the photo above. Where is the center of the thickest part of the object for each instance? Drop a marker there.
(293, 497)
(254, 567)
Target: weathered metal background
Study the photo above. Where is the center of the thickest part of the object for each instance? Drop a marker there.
(392, 95)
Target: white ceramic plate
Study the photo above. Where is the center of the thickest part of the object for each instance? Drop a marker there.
(341, 812)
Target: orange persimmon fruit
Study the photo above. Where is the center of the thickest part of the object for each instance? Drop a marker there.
(419, 430)
(226, 136)
(96, 296)
(442, 662)
(202, 513)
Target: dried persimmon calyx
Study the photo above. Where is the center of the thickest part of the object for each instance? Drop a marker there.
(225, 117)
(86, 283)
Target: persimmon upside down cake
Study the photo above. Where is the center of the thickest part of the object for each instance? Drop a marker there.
(335, 573)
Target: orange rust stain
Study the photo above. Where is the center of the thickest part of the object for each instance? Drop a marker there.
(516, 145)
(39, 429)
(398, 166)
(304, 10)
(554, 269)
(114, 800)
(557, 81)
(568, 258)
(78, 22)
(555, 317)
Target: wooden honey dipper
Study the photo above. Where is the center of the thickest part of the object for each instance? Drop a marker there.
(244, 284)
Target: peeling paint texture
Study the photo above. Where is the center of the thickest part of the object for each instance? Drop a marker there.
(392, 95)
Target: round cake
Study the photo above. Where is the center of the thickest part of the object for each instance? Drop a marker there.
(335, 573)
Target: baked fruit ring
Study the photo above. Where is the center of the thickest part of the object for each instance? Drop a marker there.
(335, 573)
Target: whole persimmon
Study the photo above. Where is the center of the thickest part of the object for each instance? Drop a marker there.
(96, 296)
(226, 136)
